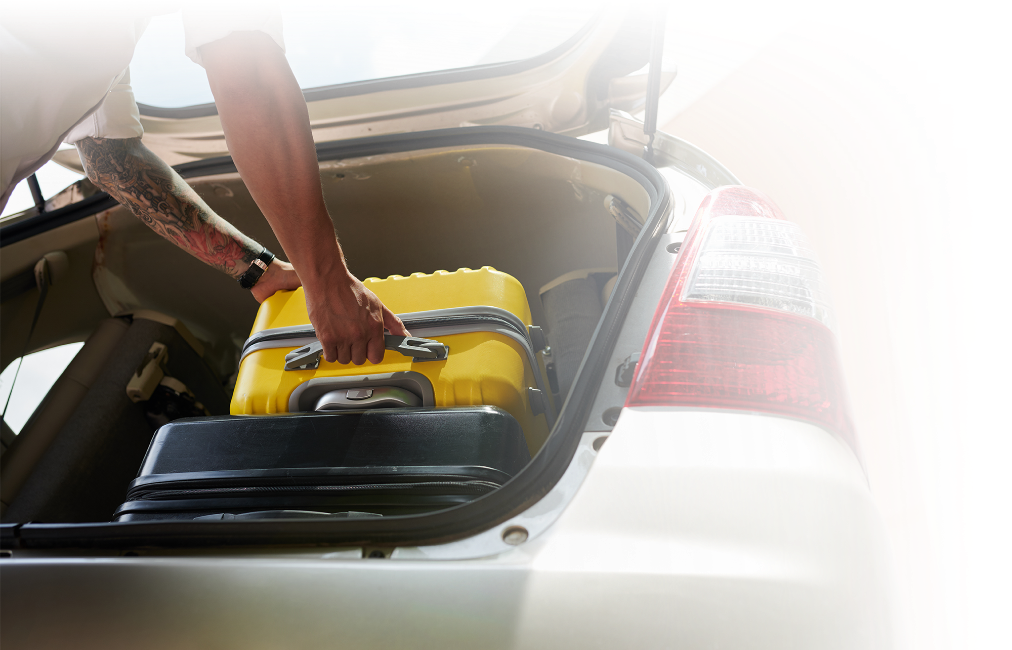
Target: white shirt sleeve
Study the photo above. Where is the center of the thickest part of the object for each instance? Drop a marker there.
(203, 27)
(116, 118)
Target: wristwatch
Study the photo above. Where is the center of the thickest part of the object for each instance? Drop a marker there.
(256, 269)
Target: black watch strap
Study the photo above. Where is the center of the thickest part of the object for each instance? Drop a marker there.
(256, 269)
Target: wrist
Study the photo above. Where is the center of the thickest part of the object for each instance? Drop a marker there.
(280, 276)
(324, 268)
(260, 264)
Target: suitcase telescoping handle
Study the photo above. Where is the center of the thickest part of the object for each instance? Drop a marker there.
(308, 356)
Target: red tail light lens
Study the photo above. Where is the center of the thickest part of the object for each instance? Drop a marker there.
(745, 321)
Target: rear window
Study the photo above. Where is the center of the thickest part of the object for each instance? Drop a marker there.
(26, 381)
(344, 42)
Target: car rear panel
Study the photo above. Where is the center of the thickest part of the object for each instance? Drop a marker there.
(669, 527)
(691, 529)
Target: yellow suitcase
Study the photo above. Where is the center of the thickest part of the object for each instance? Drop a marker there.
(472, 343)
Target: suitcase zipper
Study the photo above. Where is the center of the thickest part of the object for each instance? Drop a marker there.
(298, 335)
(438, 322)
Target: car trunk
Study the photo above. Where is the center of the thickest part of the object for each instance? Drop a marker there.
(535, 205)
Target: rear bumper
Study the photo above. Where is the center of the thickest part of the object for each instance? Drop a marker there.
(719, 529)
(691, 529)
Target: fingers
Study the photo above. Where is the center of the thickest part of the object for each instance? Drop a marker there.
(394, 324)
(343, 353)
(359, 347)
(348, 347)
(330, 351)
(377, 349)
(358, 352)
(350, 324)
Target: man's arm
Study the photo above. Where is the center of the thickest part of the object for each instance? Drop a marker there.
(266, 125)
(159, 197)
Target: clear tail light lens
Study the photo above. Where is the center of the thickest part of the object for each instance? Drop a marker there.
(760, 262)
(745, 322)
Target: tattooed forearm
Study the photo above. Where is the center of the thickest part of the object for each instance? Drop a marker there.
(157, 195)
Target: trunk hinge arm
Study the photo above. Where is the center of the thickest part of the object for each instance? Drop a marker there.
(36, 190)
(654, 81)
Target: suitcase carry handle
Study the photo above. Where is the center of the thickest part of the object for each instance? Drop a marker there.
(308, 356)
(416, 348)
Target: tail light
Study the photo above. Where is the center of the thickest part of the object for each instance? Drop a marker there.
(745, 321)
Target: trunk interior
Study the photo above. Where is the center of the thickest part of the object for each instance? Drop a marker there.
(541, 217)
(528, 213)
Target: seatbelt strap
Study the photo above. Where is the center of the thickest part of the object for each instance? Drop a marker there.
(42, 281)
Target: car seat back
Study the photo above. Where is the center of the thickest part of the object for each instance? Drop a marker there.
(84, 444)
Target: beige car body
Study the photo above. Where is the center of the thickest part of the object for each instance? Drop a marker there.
(667, 528)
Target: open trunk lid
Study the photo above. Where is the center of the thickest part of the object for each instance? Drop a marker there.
(568, 89)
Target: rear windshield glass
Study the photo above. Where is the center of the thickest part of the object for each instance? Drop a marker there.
(344, 42)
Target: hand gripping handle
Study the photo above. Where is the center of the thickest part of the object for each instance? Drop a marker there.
(308, 356)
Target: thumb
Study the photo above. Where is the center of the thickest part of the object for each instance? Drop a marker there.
(394, 324)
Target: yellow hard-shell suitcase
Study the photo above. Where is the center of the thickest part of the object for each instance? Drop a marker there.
(472, 343)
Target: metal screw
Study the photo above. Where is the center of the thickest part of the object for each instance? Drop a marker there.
(514, 535)
(673, 248)
(610, 416)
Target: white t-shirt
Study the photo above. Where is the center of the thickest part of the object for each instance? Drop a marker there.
(66, 78)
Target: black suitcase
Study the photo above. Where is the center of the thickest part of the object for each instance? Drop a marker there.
(362, 463)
